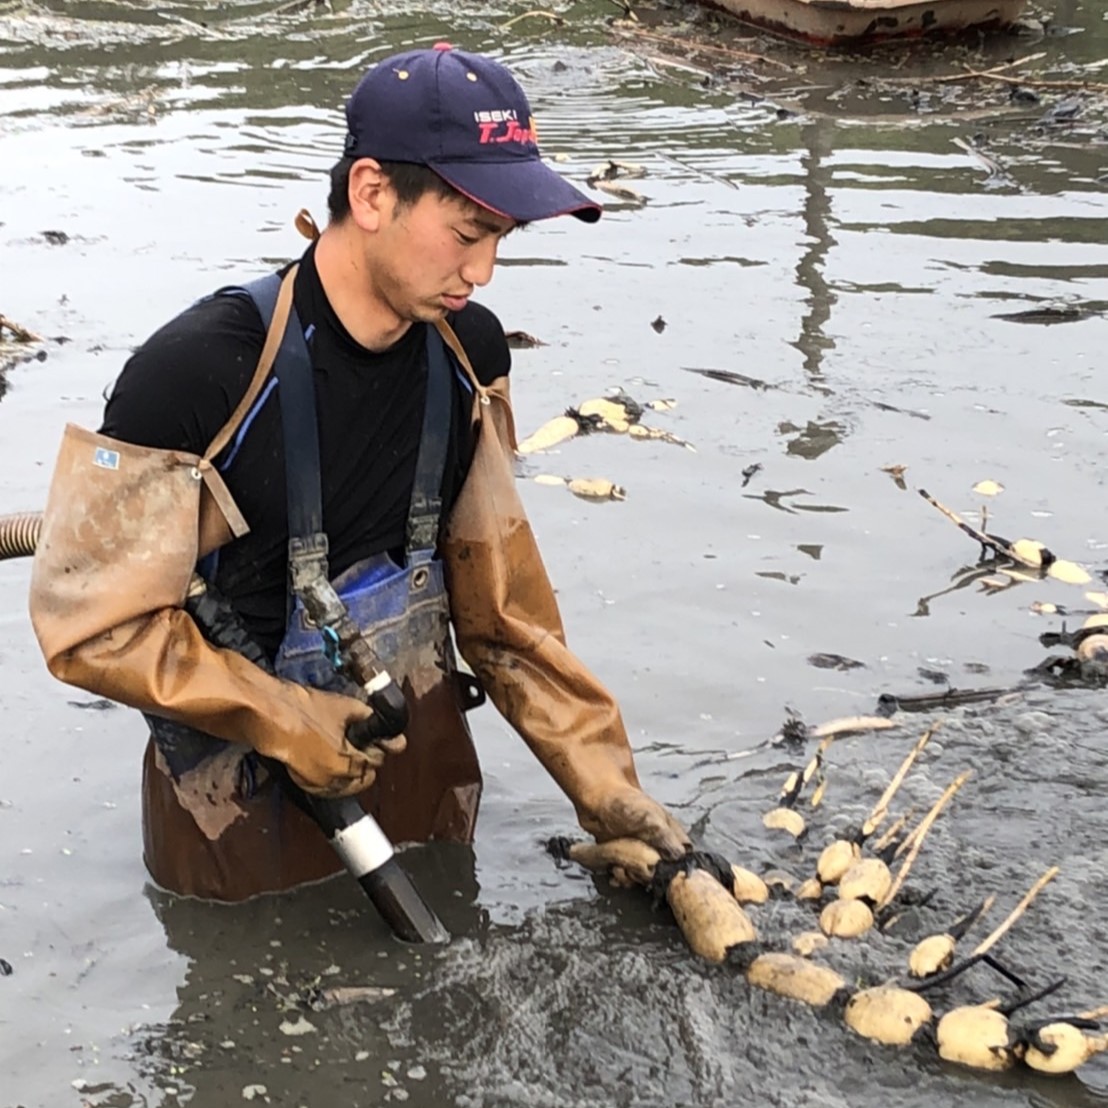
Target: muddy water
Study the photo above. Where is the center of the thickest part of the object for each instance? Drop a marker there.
(849, 260)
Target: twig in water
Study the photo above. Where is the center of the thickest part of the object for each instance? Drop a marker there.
(989, 542)
(688, 46)
(536, 14)
(625, 7)
(700, 172)
(994, 168)
(916, 837)
(967, 75)
(891, 832)
(881, 808)
(1028, 82)
(20, 334)
(970, 74)
(991, 941)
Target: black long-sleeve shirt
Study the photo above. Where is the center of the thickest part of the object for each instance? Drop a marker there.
(181, 386)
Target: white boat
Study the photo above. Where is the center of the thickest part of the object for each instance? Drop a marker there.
(844, 22)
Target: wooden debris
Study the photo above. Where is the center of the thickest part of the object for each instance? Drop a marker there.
(596, 488)
(988, 542)
(896, 472)
(1026, 552)
(342, 996)
(587, 488)
(1047, 315)
(683, 46)
(988, 487)
(617, 413)
(18, 331)
(557, 20)
(611, 170)
(621, 192)
(610, 414)
(851, 725)
(642, 433)
(521, 340)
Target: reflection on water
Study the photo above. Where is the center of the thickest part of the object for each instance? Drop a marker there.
(813, 439)
(843, 265)
(812, 342)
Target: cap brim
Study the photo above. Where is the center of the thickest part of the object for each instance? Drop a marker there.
(522, 190)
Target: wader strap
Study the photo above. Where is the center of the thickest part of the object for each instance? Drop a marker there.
(273, 297)
(296, 396)
(425, 510)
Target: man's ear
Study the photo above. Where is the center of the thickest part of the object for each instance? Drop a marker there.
(369, 193)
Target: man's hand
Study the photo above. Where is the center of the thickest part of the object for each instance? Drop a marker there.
(336, 754)
(630, 813)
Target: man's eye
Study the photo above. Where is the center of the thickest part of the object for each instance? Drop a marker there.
(465, 240)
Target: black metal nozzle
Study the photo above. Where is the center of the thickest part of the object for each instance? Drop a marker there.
(368, 856)
(401, 906)
(390, 707)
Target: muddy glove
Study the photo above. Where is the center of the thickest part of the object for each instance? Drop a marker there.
(509, 630)
(318, 740)
(628, 813)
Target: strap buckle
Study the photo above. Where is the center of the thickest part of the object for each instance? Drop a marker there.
(423, 523)
(331, 649)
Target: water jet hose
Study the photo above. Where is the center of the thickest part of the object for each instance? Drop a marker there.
(19, 534)
(355, 836)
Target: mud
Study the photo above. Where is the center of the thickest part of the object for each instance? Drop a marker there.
(830, 244)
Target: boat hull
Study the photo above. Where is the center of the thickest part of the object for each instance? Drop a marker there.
(847, 22)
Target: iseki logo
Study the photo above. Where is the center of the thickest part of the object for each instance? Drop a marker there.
(502, 125)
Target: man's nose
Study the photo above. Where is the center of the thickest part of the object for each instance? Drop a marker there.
(480, 262)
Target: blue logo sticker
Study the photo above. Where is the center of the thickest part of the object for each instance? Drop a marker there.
(106, 459)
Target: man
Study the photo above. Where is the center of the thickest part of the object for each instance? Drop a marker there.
(383, 436)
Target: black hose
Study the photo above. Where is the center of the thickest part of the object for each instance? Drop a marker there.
(19, 534)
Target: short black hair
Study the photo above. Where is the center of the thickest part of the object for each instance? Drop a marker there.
(409, 180)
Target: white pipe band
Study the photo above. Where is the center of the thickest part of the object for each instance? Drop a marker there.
(362, 846)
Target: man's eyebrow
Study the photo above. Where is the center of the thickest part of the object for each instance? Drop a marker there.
(490, 227)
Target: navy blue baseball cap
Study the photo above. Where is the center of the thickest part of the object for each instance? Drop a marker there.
(465, 117)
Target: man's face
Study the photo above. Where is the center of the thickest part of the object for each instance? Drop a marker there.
(428, 257)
